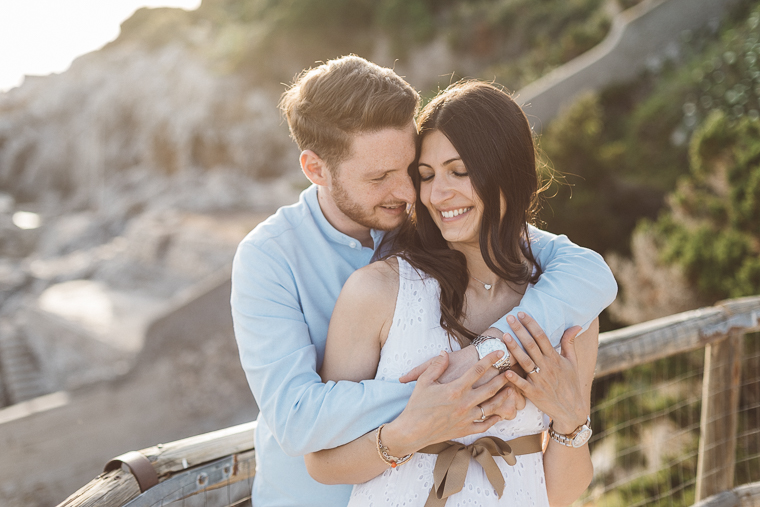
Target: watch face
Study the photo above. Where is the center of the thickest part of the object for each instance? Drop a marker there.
(493, 345)
(582, 437)
(489, 346)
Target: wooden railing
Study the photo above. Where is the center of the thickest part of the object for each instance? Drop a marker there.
(220, 459)
(747, 495)
(184, 469)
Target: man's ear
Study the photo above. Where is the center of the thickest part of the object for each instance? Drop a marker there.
(314, 168)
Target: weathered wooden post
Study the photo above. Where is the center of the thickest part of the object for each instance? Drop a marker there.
(720, 406)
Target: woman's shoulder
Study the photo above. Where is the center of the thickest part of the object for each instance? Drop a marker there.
(377, 281)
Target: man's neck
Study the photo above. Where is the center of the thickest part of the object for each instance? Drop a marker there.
(341, 222)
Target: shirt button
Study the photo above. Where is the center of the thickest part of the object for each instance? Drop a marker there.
(352, 244)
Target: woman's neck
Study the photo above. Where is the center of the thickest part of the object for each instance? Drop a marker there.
(484, 283)
(484, 306)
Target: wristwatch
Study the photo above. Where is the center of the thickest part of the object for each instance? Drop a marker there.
(577, 438)
(487, 344)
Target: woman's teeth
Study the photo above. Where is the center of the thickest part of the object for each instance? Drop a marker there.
(455, 212)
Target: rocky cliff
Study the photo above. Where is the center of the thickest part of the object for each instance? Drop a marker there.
(144, 164)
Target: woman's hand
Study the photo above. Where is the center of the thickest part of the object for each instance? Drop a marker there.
(555, 382)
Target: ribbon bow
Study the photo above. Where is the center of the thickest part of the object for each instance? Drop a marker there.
(454, 459)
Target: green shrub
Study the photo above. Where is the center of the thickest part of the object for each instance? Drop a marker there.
(713, 227)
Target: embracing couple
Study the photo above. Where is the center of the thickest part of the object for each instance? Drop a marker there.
(399, 326)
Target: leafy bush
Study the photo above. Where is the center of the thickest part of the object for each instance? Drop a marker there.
(713, 227)
(597, 200)
(626, 148)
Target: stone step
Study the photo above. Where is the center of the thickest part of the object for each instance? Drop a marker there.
(21, 377)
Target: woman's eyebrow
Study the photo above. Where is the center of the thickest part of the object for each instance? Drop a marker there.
(449, 161)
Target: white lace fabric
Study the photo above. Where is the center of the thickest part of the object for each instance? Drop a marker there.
(416, 336)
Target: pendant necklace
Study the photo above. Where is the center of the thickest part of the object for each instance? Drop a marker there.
(487, 286)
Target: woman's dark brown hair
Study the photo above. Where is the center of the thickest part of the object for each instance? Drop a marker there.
(492, 136)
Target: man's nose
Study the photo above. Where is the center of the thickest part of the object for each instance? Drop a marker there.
(404, 190)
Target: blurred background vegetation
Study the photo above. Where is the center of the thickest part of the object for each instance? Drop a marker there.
(513, 41)
(668, 162)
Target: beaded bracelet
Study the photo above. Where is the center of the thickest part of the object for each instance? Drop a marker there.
(385, 455)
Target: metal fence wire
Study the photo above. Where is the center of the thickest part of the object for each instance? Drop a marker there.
(646, 423)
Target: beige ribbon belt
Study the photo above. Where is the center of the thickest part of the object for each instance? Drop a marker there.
(454, 458)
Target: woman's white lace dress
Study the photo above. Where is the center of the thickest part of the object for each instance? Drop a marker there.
(416, 336)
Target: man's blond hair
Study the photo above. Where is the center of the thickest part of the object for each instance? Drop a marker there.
(349, 95)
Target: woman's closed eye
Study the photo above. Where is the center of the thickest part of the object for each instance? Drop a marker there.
(426, 175)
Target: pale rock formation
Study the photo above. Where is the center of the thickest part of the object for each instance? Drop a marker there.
(650, 289)
(146, 168)
(63, 137)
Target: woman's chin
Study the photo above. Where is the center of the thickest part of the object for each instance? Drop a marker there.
(460, 240)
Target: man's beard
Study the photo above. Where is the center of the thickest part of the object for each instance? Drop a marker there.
(357, 212)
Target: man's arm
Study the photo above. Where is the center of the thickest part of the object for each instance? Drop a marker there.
(574, 288)
(280, 363)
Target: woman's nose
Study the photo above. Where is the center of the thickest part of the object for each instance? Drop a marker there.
(440, 191)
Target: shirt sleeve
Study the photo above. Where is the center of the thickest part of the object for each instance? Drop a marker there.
(574, 288)
(280, 363)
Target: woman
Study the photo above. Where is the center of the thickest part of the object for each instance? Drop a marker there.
(461, 263)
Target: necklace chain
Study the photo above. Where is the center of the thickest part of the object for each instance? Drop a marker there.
(486, 286)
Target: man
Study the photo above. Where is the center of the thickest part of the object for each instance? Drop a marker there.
(354, 122)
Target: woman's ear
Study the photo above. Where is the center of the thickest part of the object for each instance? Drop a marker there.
(314, 167)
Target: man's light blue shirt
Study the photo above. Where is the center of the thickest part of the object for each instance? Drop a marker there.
(286, 277)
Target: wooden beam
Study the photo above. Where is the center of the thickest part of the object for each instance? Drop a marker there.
(741, 496)
(656, 339)
(114, 488)
(186, 453)
(720, 405)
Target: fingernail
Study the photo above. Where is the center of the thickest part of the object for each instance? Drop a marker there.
(511, 319)
(443, 353)
(499, 353)
(509, 391)
(508, 338)
(521, 315)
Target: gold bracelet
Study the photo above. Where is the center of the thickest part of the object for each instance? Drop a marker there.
(393, 461)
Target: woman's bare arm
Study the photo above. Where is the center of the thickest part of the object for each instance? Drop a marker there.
(562, 389)
(435, 412)
(352, 352)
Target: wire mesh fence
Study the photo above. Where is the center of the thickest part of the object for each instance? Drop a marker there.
(748, 432)
(647, 430)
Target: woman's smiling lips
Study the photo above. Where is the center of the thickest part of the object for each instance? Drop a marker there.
(453, 214)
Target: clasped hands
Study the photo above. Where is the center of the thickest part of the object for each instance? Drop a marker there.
(451, 390)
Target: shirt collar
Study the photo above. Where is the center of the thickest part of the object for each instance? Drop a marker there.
(309, 196)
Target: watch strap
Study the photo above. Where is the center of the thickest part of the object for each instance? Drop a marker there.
(567, 439)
